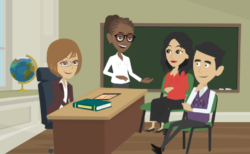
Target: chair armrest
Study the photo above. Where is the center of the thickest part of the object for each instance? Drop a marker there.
(161, 95)
(184, 115)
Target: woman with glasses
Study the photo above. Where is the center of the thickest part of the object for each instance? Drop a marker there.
(121, 35)
(64, 60)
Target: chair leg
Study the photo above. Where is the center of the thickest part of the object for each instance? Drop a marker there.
(189, 141)
(165, 132)
(184, 139)
(209, 139)
(51, 149)
(142, 120)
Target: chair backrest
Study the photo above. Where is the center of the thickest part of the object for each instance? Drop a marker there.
(190, 85)
(46, 94)
(214, 107)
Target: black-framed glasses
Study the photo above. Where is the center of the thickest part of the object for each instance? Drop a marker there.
(120, 37)
(199, 103)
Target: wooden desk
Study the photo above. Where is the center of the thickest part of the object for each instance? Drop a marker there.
(80, 131)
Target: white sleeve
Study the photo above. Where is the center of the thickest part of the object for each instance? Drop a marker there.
(192, 96)
(105, 71)
(131, 72)
(209, 106)
(61, 106)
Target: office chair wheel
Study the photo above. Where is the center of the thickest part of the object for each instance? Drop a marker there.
(51, 150)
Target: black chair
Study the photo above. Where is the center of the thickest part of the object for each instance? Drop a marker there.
(46, 95)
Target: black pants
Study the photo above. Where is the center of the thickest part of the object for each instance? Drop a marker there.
(161, 108)
(125, 85)
(186, 123)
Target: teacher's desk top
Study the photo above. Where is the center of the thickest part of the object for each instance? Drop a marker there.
(118, 103)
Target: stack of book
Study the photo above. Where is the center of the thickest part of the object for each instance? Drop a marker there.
(92, 104)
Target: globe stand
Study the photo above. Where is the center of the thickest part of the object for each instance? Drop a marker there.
(23, 90)
(33, 68)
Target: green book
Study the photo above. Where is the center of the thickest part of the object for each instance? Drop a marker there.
(92, 104)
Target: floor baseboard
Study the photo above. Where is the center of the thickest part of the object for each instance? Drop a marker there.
(220, 116)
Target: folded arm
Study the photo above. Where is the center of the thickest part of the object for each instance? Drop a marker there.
(210, 102)
(185, 82)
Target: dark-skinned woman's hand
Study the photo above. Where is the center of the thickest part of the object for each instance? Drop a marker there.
(122, 77)
(147, 80)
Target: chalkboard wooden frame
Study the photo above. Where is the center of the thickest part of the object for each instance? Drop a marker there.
(177, 25)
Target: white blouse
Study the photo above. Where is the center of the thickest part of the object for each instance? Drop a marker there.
(120, 68)
(65, 91)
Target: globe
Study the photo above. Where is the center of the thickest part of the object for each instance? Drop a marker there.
(23, 70)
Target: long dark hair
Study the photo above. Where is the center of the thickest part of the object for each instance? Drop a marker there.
(186, 43)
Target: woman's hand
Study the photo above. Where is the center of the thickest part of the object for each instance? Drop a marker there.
(147, 80)
(122, 77)
(168, 89)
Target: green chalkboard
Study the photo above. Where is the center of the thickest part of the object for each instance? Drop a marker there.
(145, 53)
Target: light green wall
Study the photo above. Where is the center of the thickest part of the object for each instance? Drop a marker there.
(80, 21)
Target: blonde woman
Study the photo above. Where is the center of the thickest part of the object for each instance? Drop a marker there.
(64, 60)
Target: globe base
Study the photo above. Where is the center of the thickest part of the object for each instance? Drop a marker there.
(22, 90)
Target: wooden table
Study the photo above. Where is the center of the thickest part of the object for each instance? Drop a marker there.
(78, 131)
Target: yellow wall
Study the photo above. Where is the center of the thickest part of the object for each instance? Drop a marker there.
(80, 20)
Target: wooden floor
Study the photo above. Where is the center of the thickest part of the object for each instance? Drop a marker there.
(227, 138)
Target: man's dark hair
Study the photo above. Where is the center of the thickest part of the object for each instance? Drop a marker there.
(213, 50)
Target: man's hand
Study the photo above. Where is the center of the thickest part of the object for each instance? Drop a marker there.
(147, 80)
(122, 78)
(168, 89)
(187, 107)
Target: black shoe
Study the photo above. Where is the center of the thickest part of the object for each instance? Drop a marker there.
(149, 130)
(158, 131)
(157, 152)
(156, 147)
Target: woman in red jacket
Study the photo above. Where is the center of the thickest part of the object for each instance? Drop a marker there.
(64, 60)
(176, 56)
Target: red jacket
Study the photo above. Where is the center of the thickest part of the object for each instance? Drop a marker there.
(59, 95)
(180, 84)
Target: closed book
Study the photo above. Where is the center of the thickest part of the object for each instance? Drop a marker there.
(92, 104)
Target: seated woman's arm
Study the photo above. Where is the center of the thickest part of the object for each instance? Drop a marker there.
(55, 104)
(185, 82)
(71, 97)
